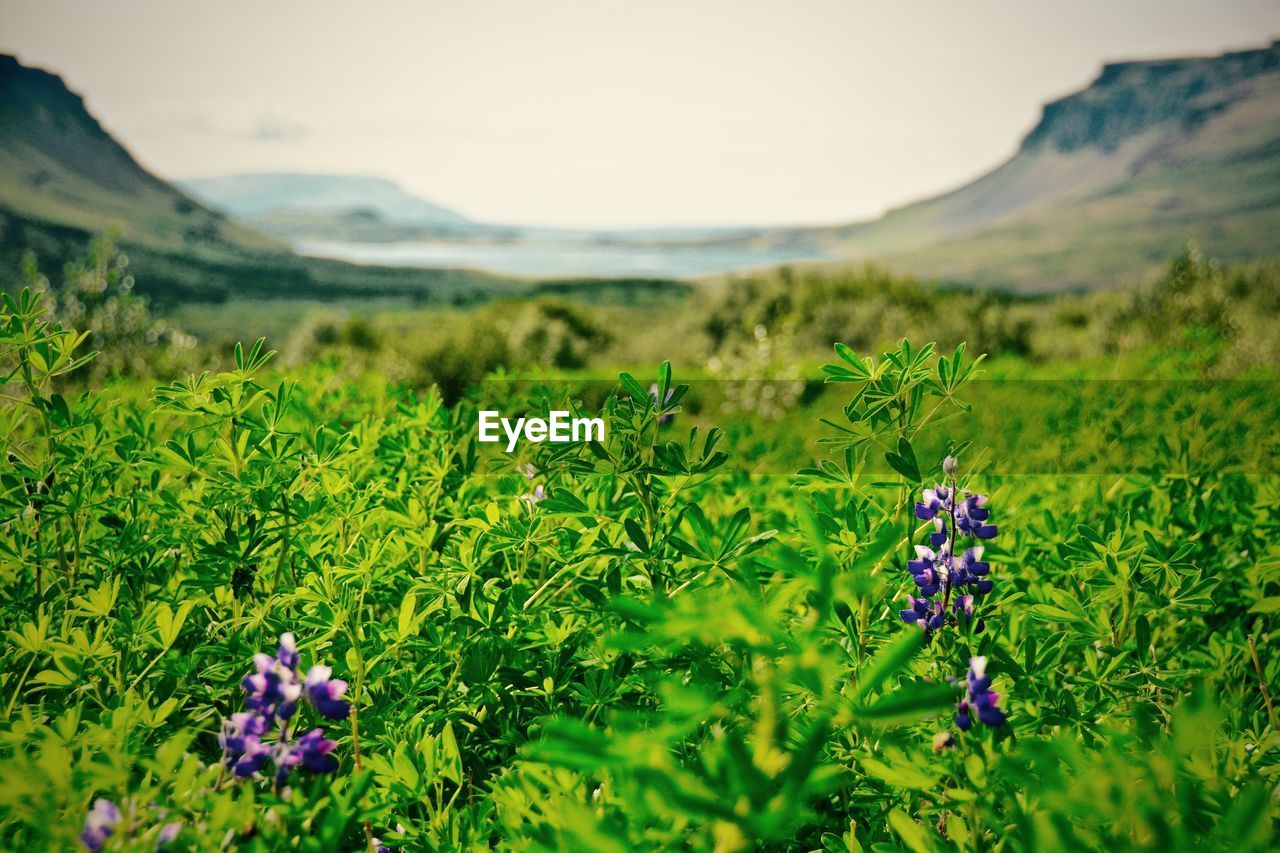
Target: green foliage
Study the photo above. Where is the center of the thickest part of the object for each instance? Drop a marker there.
(1224, 316)
(461, 350)
(1199, 318)
(96, 294)
(667, 651)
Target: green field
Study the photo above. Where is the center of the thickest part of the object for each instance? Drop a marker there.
(686, 636)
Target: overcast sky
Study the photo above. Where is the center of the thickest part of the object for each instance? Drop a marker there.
(597, 112)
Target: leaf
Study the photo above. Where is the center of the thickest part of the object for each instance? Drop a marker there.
(910, 702)
(904, 461)
(634, 388)
(664, 379)
(1051, 613)
(100, 601)
(170, 623)
(33, 636)
(901, 775)
(1266, 605)
(1069, 603)
(405, 769)
(560, 502)
(702, 529)
(846, 353)
(404, 625)
(888, 661)
(636, 533)
(1142, 634)
(912, 833)
(854, 369)
(52, 676)
(451, 767)
(1091, 535)
(1246, 825)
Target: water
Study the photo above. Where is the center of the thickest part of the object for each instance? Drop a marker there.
(564, 258)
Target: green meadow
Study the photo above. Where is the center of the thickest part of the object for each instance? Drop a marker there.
(751, 617)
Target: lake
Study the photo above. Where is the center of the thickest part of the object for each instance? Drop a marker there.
(590, 257)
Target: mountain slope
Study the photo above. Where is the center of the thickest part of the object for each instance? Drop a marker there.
(63, 178)
(60, 166)
(1112, 180)
(250, 196)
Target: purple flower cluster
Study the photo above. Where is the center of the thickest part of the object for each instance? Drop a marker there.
(273, 690)
(100, 824)
(980, 700)
(539, 493)
(946, 582)
(105, 819)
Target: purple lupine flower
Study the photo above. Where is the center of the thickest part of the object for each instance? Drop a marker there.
(938, 537)
(934, 501)
(663, 420)
(973, 571)
(918, 610)
(980, 700)
(287, 654)
(924, 570)
(379, 847)
(168, 833)
(926, 612)
(99, 824)
(527, 470)
(273, 690)
(532, 498)
(285, 756)
(241, 742)
(324, 693)
(273, 687)
(937, 569)
(971, 513)
(313, 750)
(962, 607)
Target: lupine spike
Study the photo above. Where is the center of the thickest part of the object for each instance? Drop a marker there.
(937, 569)
(274, 690)
(980, 700)
(100, 824)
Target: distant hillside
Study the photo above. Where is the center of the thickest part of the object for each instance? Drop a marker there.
(63, 178)
(1112, 181)
(251, 196)
(295, 226)
(60, 166)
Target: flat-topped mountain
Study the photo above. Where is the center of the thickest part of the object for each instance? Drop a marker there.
(250, 196)
(1111, 181)
(1130, 98)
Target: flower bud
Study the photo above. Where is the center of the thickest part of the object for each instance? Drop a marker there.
(950, 466)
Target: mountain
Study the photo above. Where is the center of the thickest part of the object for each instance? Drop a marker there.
(1112, 180)
(63, 179)
(60, 166)
(251, 196)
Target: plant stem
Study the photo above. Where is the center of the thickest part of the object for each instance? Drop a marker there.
(946, 597)
(18, 690)
(1262, 682)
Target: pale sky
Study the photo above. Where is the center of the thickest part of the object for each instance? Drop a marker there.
(600, 112)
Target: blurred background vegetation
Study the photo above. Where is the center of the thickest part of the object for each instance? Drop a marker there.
(1198, 318)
